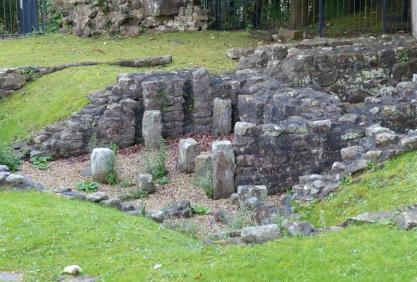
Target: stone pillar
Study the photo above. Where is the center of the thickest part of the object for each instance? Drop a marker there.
(102, 162)
(223, 169)
(204, 166)
(187, 153)
(222, 117)
(152, 129)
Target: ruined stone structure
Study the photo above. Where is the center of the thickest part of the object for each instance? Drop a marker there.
(281, 132)
(128, 17)
(414, 17)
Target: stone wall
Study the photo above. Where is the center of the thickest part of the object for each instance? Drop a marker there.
(351, 68)
(414, 17)
(128, 17)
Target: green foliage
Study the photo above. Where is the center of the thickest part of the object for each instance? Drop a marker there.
(92, 142)
(87, 186)
(240, 220)
(8, 157)
(137, 194)
(41, 163)
(112, 177)
(155, 163)
(54, 18)
(403, 56)
(206, 184)
(182, 225)
(200, 210)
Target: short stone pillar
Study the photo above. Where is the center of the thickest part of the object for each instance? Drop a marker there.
(222, 117)
(187, 152)
(145, 183)
(223, 169)
(152, 129)
(204, 166)
(102, 163)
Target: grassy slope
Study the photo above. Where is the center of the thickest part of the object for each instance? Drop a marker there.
(40, 234)
(56, 96)
(384, 189)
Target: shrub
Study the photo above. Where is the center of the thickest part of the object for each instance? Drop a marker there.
(87, 186)
(8, 157)
(155, 163)
(41, 163)
(112, 178)
(135, 195)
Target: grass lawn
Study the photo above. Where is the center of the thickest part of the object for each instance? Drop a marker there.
(40, 234)
(56, 96)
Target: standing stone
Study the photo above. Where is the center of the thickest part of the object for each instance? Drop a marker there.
(222, 117)
(102, 162)
(146, 183)
(152, 129)
(187, 153)
(223, 169)
(204, 166)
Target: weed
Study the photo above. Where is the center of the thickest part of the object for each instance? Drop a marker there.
(155, 163)
(206, 184)
(136, 195)
(41, 163)
(200, 210)
(127, 183)
(346, 180)
(240, 220)
(87, 186)
(403, 56)
(182, 225)
(8, 157)
(112, 178)
(92, 142)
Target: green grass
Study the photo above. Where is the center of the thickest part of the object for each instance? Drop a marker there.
(56, 96)
(119, 247)
(384, 189)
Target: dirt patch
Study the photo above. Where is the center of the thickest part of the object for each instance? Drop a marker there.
(66, 173)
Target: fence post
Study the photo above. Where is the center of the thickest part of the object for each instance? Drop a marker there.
(384, 15)
(321, 18)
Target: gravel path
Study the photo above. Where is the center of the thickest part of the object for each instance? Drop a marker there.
(130, 163)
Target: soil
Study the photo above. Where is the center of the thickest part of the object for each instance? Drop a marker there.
(66, 173)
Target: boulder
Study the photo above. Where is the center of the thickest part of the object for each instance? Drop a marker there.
(157, 216)
(407, 219)
(152, 129)
(249, 195)
(145, 183)
(102, 163)
(370, 218)
(260, 234)
(187, 152)
(264, 212)
(112, 203)
(4, 168)
(97, 197)
(179, 209)
(11, 276)
(222, 117)
(302, 228)
(223, 169)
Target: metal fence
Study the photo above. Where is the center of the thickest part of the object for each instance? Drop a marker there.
(326, 17)
(21, 17)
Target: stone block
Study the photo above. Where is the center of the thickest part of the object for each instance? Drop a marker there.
(222, 117)
(223, 169)
(102, 163)
(152, 129)
(187, 152)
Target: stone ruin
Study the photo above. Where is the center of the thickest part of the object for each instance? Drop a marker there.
(282, 133)
(88, 18)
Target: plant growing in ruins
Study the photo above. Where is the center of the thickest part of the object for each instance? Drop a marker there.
(8, 157)
(92, 142)
(200, 210)
(182, 225)
(155, 163)
(206, 184)
(403, 56)
(87, 186)
(41, 163)
(112, 176)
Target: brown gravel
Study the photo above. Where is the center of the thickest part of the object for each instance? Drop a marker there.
(67, 173)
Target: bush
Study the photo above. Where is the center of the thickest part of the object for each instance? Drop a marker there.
(8, 157)
(155, 163)
(87, 186)
(135, 195)
(200, 210)
(41, 163)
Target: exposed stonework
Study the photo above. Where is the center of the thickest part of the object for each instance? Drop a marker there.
(13, 79)
(88, 18)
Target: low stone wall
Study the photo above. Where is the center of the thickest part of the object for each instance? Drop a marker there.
(88, 18)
